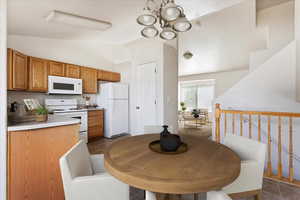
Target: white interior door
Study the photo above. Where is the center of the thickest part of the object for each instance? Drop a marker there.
(146, 107)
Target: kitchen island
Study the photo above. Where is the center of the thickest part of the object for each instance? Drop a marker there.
(34, 149)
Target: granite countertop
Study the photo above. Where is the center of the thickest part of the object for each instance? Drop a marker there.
(53, 121)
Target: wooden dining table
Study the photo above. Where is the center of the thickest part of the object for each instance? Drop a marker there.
(206, 166)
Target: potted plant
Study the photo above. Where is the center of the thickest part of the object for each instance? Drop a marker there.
(41, 114)
(183, 108)
(195, 113)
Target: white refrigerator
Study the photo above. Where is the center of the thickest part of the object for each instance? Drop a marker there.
(113, 97)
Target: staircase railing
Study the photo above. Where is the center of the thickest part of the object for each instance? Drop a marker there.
(223, 116)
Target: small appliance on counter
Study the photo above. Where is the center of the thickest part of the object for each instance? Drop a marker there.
(69, 108)
(113, 98)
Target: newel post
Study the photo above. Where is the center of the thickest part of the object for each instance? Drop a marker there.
(217, 124)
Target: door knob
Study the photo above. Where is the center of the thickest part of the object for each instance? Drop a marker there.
(137, 107)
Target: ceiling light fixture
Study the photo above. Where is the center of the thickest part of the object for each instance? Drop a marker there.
(77, 20)
(170, 16)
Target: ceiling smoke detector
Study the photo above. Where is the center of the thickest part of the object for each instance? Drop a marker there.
(188, 55)
(78, 21)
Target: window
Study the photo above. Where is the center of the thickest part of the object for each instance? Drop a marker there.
(197, 94)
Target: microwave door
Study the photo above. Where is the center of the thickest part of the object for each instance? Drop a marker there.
(61, 85)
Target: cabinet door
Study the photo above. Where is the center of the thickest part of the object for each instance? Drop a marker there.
(95, 124)
(72, 71)
(89, 79)
(115, 77)
(17, 70)
(107, 76)
(38, 75)
(56, 68)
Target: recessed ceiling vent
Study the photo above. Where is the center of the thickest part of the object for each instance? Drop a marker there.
(77, 21)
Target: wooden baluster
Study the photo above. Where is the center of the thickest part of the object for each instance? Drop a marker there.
(269, 166)
(225, 124)
(241, 124)
(218, 116)
(259, 128)
(250, 126)
(279, 149)
(291, 153)
(233, 124)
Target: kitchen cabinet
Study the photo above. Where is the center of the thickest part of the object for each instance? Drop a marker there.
(95, 125)
(56, 68)
(72, 71)
(115, 77)
(89, 80)
(108, 76)
(17, 70)
(38, 75)
(33, 162)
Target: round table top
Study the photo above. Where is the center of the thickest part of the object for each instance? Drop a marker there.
(204, 167)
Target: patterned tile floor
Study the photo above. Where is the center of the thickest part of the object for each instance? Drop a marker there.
(271, 190)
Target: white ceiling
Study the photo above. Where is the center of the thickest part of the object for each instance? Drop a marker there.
(27, 17)
(263, 4)
(223, 42)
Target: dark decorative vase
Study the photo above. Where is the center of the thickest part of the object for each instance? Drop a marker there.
(169, 142)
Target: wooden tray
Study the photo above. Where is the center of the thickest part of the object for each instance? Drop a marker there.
(155, 146)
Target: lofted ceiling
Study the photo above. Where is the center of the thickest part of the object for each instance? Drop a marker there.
(27, 17)
(263, 4)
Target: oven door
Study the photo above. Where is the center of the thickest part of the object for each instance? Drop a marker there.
(63, 85)
(77, 115)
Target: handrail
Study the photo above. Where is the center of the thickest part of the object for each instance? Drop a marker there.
(239, 115)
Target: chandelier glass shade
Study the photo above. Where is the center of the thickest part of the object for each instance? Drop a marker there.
(171, 19)
(149, 32)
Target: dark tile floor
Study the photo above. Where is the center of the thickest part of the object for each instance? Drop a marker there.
(271, 190)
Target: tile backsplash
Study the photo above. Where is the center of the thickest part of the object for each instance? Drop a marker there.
(18, 96)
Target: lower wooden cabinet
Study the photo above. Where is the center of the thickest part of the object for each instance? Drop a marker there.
(33, 162)
(95, 124)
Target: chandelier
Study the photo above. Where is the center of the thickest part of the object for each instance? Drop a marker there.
(171, 19)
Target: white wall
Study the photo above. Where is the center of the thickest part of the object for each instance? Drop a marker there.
(145, 51)
(223, 80)
(270, 87)
(297, 37)
(170, 77)
(165, 56)
(82, 53)
(279, 23)
(223, 42)
(3, 89)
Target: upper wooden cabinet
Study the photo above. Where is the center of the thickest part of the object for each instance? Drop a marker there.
(89, 79)
(115, 77)
(17, 71)
(108, 76)
(38, 75)
(72, 71)
(56, 68)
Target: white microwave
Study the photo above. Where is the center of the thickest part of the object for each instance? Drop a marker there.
(63, 85)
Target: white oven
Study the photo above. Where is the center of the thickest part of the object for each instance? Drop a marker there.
(63, 85)
(82, 115)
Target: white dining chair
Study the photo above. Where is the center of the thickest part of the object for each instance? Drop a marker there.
(253, 155)
(84, 177)
(156, 129)
(212, 195)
